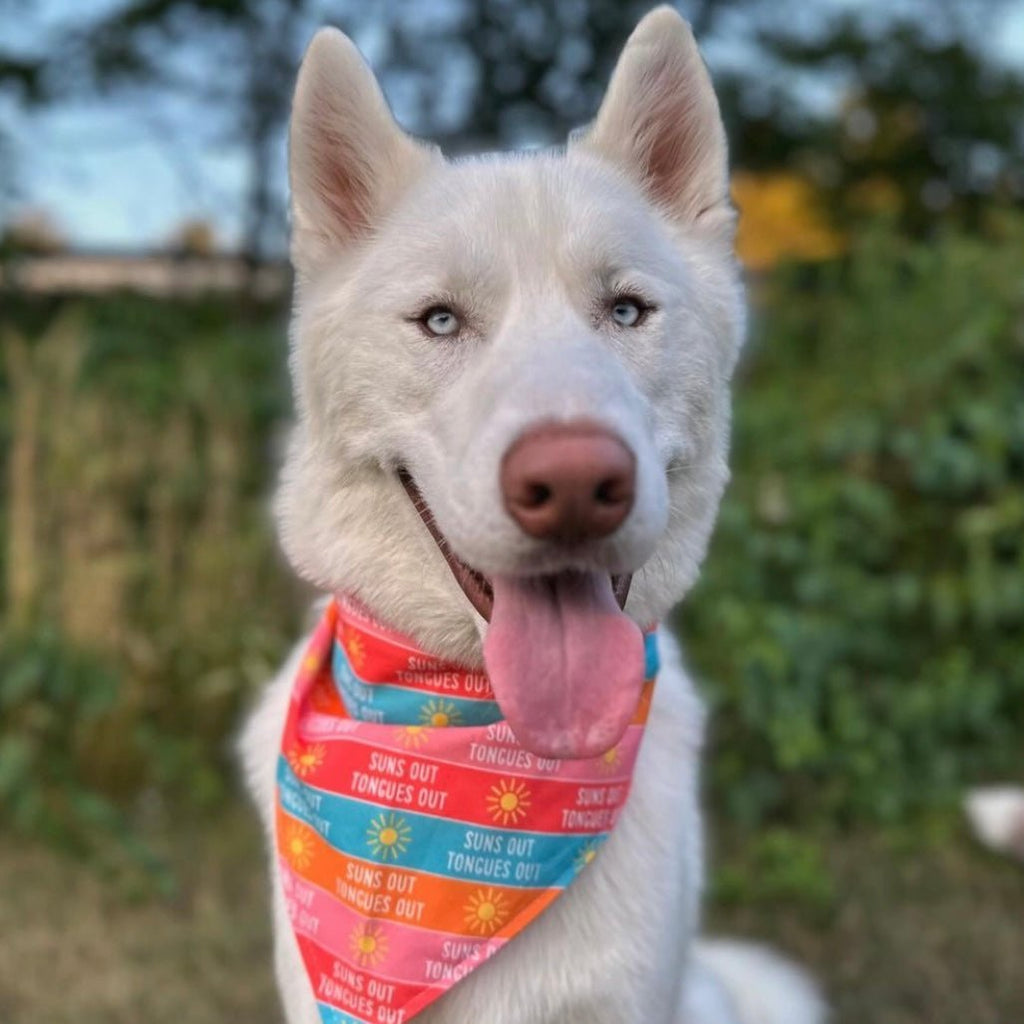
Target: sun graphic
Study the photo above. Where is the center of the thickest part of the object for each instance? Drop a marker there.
(368, 943)
(388, 836)
(412, 737)
(299, 846)
(355, 647)
(440, 712)
(610, 759)
(486, 911)
(586, 854)
(305, 760)
(311, 662)
(508, 801)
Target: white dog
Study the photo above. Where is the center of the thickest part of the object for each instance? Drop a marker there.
(512, 389)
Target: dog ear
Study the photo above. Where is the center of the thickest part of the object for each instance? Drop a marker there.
(348, 159)
(660, 122)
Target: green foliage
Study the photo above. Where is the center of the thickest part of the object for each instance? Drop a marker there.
(152, 603)
(776, 866)
(860, 619)
(50, 697)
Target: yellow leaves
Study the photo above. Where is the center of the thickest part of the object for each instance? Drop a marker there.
(780, 219)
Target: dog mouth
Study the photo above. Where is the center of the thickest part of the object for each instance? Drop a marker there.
(474, 584)
(565, 662)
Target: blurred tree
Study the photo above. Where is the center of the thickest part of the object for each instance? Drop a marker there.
(928, 128)
(529, 71)
(903, 108)
(21, 80)
(514, 72)
(194, 237)
(32, 231)
(243, 78)
(781, 220)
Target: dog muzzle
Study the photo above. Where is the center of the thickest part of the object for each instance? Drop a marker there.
(415, 835)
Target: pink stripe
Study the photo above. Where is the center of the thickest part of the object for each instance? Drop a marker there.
(317, 728)
(411, 954)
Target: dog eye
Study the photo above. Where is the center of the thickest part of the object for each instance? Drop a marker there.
(440, 320)
(627, 312)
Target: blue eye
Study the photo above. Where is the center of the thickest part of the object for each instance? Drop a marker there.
(627, 312)
(440, 320)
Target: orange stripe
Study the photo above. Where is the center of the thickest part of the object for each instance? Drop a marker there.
(394, 893)
(643, 709)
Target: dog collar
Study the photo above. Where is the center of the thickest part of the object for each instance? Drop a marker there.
(415, 836)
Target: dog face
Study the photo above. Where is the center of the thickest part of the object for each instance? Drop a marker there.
(511, 378)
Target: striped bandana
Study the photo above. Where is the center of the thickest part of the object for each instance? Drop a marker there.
(415, 835)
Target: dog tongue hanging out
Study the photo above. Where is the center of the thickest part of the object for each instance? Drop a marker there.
(511, 389)
(565, 663)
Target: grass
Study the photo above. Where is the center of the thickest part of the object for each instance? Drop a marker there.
(80, 946)
(909, 933)
(897, 936)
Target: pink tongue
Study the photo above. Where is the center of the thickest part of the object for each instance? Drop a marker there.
(566, 665)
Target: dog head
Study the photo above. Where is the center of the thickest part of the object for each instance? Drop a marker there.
(511, 378)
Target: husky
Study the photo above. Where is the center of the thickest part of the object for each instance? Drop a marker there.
(511, 379)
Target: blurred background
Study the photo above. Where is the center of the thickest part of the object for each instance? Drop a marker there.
(860, 622)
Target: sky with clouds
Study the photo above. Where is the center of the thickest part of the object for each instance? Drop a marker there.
(125, 174)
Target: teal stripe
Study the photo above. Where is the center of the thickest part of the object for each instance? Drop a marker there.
(454, 849)
(396, 705)
(329, 1015)
(652, 662)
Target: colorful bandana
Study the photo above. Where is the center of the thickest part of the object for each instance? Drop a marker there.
(415, 835)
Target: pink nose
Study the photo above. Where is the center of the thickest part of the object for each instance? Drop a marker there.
(568, 482)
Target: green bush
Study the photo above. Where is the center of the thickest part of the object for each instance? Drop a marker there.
(144, 599)
(860, 621)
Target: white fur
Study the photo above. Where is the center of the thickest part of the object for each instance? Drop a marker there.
(530, 251)
(740, 983)
(997, 815)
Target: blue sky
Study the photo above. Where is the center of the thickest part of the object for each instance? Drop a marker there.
(126, 174)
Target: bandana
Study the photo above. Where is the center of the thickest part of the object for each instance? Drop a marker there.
(415, 835)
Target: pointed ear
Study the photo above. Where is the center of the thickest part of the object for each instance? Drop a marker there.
(348, 159)
(660, 123)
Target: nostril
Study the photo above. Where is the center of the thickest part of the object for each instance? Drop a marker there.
(536, 495)
(611, 491)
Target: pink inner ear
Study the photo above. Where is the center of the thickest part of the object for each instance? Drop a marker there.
(341, 179)
(672, 138)
(660, 120)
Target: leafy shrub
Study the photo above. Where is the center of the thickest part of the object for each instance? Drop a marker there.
(860, 622)
(144, 598)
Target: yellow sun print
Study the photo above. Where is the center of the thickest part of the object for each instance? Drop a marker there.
(486, 911)
(299, 846)
(412, 737)
(440, 713)
(369, 944)
(586, 855)
(388, 836)
(305, 760)
(508, 801)
(611, 759)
